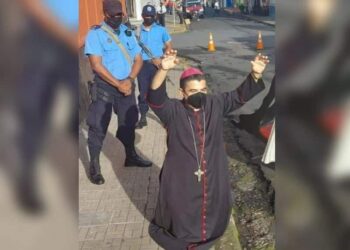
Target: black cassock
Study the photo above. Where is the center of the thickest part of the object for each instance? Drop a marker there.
(192, 214)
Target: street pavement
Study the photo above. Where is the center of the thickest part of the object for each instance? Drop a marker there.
(268, 20)
(235, 41)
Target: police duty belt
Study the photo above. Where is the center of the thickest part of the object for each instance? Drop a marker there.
(97, 93)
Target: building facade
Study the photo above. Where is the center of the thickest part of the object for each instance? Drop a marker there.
(134, 7)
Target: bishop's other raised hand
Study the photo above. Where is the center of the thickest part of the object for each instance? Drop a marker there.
(259, 65)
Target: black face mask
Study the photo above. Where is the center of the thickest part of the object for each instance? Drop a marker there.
(197, 100)
(114, 22)
(148, 21)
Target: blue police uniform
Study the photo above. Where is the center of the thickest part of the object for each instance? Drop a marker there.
(154, 39)
(99, 43)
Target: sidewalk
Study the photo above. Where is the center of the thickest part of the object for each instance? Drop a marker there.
(116, 215)
(262, 19)
(174, 28)
(234, 12)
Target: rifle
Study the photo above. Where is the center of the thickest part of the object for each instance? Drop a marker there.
(142, 45)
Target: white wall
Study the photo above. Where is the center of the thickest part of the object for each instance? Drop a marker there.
(139, 5)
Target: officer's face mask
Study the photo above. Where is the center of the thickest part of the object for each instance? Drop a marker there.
(196, 100)
(114, 21)
(148, 20)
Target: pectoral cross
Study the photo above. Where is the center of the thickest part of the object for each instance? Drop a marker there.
(199, 174)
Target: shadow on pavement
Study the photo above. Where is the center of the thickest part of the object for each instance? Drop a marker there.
(140, 184)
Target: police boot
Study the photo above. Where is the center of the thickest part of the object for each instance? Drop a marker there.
(142, 122)
(95, 171)
(134, 160)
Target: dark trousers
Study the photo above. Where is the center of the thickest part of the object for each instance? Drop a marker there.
(47, 66)
(161, 19)
(144, 79)
(99, 116)
(169, 10)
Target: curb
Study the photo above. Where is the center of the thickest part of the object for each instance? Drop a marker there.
(249, 18)
(179, 28)
(172, 32)
(230, 239)
(259, 21)
(169, 21)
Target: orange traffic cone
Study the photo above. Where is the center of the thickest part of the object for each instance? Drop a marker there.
(259, 43)
(211, 45)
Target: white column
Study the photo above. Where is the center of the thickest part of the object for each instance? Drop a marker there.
(138, 7)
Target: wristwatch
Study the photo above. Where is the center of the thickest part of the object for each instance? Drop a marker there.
(131, 78)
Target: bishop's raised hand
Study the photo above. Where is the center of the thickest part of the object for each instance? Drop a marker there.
(170, 60)
(259, 65)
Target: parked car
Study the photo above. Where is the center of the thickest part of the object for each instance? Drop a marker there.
(193, 9)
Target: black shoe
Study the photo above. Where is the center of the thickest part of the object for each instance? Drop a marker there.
(136, 161)
(95, 172)
(97, 179)
(142, 122)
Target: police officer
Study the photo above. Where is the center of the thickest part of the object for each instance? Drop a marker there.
(115, 58)
(161, 11)
(155, 38)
